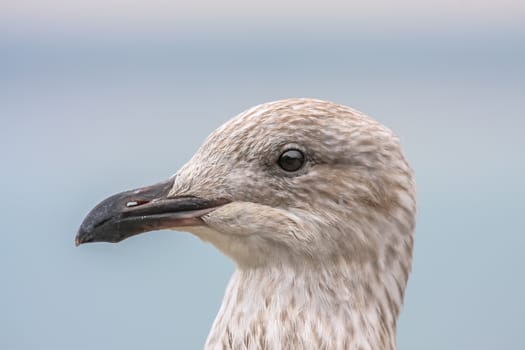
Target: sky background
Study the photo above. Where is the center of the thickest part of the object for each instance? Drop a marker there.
(98, 96)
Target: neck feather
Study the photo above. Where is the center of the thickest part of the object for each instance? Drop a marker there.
(340, 306)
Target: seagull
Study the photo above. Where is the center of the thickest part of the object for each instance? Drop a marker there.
(313, 201)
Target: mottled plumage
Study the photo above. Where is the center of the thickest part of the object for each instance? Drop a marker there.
(323, 256)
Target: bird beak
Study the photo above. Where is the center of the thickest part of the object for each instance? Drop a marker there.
(142, 210)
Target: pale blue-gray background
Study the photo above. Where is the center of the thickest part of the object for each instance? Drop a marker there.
(94, 105)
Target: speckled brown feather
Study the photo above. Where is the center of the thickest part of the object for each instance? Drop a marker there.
(323, 254)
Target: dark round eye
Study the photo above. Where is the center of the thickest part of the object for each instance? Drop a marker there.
(291, 160)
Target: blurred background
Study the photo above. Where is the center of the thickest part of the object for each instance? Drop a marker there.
(102, 96)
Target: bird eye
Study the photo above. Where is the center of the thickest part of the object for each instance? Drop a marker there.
(291, 160)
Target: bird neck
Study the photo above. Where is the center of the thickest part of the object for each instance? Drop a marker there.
(327, 307)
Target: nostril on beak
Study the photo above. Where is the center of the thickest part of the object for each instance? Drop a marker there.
(132, 204)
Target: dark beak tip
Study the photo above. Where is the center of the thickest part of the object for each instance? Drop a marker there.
(84, 234)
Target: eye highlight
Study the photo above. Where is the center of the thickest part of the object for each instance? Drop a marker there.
(291, 160)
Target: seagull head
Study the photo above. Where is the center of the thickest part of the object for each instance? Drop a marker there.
(298, 182)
